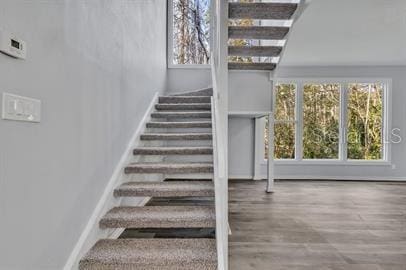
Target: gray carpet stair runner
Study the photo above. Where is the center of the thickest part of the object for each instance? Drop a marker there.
(165, 189)
(192, 114)
(259, 56)
(160, 217)
(173, 151)
(151, 254)
(195, 124)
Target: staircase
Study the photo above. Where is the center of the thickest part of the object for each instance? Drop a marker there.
(262, 36)
(177, 144)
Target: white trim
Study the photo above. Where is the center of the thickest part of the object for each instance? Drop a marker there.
(341, 178)
(92, 232)
(252, 114)
(332, 162)
(259, 150)
(245, 176)
(333, 178)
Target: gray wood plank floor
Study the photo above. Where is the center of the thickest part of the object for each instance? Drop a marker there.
(318, 225)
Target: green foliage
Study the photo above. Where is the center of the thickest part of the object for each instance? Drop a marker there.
(321, 116)
(321, 121)
(364, 123)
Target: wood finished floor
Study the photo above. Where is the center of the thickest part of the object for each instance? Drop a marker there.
(317, 225)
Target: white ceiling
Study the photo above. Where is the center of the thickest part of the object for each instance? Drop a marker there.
(349, 32)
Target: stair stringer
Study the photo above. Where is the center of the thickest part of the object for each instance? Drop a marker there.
(92, 231)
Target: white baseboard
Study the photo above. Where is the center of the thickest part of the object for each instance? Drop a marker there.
(321, 177)
(92, 232)
(337, 178)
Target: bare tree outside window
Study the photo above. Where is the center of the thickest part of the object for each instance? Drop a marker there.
(191, 31)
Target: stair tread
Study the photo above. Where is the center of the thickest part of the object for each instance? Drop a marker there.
(257, 32)
(143, 254)
(184, 99)
(176, 136)
(160, 217)
(251, 66)
(270, 51)
(182, 106)
(157, 167)
(264, 11)
(187, 114)
(166, 189)
(191, 124)
(173, 150)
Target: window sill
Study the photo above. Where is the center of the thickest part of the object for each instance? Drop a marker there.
(186, 66)
(331, 162)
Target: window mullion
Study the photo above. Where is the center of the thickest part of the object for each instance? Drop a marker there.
(343, 121)
(299, 123)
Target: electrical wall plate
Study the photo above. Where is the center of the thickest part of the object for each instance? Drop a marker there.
(20, 108)
(12, 46)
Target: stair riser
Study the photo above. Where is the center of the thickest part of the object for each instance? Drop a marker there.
(259, 32)
(176, 265)
(173, 152)
(115, 224)
(147, 137)
(132, 170)
(177, 116)
(179, 130)
(181, 143)
(254, 51)
(149, 193)
(178, 99)
(182, 107)
(178, 125)
(251, 66)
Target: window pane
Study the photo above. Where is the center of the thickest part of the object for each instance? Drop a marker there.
(321, 118)
(285, 101)
(191, 28)
(284, 141)
(364, 121)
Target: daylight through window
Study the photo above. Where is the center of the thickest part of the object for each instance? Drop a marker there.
(329, 121)
(190, 33)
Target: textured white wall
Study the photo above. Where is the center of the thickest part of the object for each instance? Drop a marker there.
(185, 79)
(96, 66)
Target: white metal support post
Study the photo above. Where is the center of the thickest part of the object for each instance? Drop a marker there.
(271, 123)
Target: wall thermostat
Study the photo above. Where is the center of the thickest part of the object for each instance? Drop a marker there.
(12, 46)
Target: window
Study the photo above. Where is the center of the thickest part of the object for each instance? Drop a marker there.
(189, 32)
(331, 120)
(285, 121)
(364, 121)
(321, 121)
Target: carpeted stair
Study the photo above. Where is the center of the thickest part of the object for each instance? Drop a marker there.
(179, 136)
(151, 254)
(165, 189)
(255, 53)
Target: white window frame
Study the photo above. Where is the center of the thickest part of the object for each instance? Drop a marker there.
(170, 44)
(342, 159)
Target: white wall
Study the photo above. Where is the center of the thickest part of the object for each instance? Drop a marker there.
(185, 79)
(249, 91)
(96, 66)
(331, 171)
(241, 131)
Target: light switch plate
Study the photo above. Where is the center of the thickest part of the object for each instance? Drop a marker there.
(20, 108)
